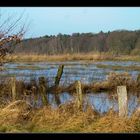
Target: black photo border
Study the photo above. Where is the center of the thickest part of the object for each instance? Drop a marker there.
(69, 3)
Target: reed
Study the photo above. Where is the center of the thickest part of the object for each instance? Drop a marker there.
(93, 56)
(62, 57)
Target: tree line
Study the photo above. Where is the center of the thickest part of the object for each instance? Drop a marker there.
(114, 42)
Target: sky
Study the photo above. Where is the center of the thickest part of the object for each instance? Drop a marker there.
(68, 20)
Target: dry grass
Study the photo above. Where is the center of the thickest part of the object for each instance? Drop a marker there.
(18, 116)
(65, 119)
(13, 116)
(128, 58)
(63, 57)
(93, 56)
(113, 80)
(117, 79)
(113, 124)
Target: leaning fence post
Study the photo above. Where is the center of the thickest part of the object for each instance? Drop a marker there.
(59, 74)
(122, 101)
(79, 100)
(13, 88)
(43, 89)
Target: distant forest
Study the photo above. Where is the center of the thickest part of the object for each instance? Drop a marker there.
(115, 42)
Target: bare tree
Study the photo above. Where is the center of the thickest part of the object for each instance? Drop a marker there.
(12, 30)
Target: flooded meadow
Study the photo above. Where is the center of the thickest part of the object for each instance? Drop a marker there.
(86, 72)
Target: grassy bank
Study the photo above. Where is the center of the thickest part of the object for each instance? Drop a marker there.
(18, 116)
(70, 57)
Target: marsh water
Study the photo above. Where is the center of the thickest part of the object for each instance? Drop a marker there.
(86, 72)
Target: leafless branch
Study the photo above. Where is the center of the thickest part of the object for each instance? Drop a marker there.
(12, 29)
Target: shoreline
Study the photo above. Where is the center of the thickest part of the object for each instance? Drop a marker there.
(69, 57)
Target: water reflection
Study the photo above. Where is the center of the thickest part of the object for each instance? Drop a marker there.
(101, 102)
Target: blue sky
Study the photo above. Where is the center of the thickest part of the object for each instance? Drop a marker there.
(68, 20)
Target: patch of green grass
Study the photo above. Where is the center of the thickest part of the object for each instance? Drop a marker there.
(12, 128)
(7, 75)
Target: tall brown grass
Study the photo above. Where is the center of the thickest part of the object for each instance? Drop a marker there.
(62, 57)
(19, 116)
(93, 56)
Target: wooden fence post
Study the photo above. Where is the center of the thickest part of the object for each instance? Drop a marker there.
(34, 89)
(79, 99)
(138, 79)
(59, 74)
(122, 101)
(13, 88)
(43, 89)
